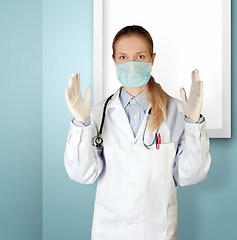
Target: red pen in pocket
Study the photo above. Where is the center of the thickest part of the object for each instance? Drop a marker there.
(158, 141)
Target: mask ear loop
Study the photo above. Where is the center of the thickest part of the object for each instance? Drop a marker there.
(155, 139)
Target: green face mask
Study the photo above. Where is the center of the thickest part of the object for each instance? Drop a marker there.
(133, 74)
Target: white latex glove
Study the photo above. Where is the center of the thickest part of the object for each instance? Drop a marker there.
(79, 108)
(192, 107)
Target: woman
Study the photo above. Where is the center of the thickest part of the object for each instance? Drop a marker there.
(137, 181)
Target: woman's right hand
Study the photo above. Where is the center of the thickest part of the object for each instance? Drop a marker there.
(79, 108)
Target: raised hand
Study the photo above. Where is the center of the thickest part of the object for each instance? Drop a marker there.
(192, 107)
(79, 108)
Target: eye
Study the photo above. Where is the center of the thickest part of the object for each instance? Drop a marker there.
(122, 57)
(141, 56)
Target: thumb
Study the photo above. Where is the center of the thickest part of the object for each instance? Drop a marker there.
(88, 95)
(183, 95)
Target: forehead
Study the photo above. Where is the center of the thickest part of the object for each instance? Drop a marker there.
(131, 44)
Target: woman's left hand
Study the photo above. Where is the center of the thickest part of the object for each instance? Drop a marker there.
(192, 107)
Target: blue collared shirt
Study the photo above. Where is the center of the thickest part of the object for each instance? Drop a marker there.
(135, 108)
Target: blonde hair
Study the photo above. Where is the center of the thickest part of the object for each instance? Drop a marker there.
(157, 96)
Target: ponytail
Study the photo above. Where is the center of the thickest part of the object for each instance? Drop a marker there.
(158, 98)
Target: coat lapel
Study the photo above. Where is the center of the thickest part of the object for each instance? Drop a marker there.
(118, 116)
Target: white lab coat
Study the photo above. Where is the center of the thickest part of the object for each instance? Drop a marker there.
(136, 188)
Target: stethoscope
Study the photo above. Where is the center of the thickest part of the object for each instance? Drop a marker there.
(98, 141)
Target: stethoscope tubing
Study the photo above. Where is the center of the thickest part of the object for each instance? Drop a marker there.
(98, 140)
(103, 117)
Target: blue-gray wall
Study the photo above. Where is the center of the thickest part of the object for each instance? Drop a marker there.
(21, 120)
(42, 43)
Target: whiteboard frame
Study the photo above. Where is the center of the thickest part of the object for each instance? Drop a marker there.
(98, 84)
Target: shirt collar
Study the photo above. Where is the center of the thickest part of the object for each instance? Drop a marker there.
(142, 98)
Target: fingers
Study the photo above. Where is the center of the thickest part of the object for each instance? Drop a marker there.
(72, 83)
(183, 95)
(201, 89)
(88, 96)
(195, 76)
(78, 83)
(195, 80)
(197, 84)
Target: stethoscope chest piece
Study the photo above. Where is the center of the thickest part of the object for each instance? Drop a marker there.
(97, 141)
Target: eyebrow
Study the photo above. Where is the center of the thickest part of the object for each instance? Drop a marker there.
(136, 53)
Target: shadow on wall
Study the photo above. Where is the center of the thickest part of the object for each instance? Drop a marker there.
(190, 198)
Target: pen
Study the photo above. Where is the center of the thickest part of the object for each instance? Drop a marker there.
(159, 141)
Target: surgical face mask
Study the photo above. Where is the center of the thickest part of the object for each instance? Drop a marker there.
(133, 74)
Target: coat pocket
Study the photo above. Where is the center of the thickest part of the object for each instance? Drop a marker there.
(162, 162)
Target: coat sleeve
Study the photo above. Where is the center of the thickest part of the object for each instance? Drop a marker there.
(192, 160)
(83, 161)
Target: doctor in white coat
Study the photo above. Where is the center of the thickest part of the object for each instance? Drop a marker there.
(137, 180)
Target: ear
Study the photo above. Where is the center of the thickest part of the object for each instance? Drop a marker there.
(153, 58)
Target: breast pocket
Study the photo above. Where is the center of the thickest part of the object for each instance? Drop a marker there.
(162, 162)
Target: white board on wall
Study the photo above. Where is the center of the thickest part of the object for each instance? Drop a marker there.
(187, 34)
